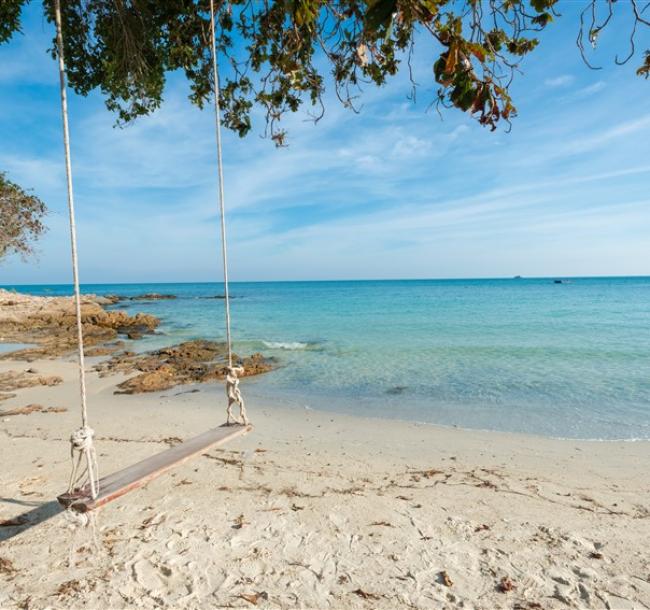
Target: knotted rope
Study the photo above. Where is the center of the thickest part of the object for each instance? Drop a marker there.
(233, 392)
(82, 439)
(81, 445)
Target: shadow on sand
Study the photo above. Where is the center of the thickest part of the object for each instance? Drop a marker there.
(37, 515)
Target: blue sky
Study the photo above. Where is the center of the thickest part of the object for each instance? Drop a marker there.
(391, 193)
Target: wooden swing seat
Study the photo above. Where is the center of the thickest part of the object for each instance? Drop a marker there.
(119, 483)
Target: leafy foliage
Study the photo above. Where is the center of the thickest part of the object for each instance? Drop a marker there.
(279, 51)
(9, 18)
(20, 219)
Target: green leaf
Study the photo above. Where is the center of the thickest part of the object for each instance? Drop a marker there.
(10, 18)
(542, 5)
(380, 13)
(543, 19)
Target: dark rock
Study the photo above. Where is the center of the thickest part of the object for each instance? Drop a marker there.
(104, 350)
(197, 361)
(153, 296)
(112, 299)
(50, 323)
(32, 408)
(17, 380)
(162, 378)
(398, 389)
(222, 296)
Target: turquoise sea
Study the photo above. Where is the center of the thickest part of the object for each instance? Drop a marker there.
(567, 359)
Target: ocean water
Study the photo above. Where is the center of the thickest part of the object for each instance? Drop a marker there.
(568, 360)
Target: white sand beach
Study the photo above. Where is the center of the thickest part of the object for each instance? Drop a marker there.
(223, 215)
(316, 510)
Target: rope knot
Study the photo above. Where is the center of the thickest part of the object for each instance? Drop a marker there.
(82, 439)
(234, 393)
(81, 444)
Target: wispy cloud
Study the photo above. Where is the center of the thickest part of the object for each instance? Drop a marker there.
(592, 89)
(391, 192)
(560, 81)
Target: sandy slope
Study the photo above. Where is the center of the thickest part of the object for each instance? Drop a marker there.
(315, 510)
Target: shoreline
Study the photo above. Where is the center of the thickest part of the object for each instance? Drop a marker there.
(291, 400)
(190, 406)
(314, 509)
(360, 502)
(499, 381)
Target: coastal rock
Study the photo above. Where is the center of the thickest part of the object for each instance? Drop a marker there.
(396, 390)
(162, 378)
(197, 361)
(256, 364)
(109, 299)
(104, 350)
(17, 380)
(197, 350)
(33, 408)
(50, 323)
(153, 296)
(113, 299)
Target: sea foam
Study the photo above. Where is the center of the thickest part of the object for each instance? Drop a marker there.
(285, 345)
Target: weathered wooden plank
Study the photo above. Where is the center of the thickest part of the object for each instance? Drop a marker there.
(119, 483)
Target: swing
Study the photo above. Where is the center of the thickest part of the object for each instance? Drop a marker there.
(86, 491)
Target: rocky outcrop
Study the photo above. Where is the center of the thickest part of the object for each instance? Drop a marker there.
(112, 299)
(33, 408)
(17, 380)
(50, 323)
(162, 378)
(153, 296)
(109, 299)
(105, 350)
(197, 361)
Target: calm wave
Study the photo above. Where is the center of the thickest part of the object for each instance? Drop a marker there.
(566, 360)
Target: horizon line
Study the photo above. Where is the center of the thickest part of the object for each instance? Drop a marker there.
(295, 281)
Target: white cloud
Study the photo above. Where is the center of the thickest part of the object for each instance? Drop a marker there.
(410, 146)
(391, 192)
(559, 81)
(591, 89)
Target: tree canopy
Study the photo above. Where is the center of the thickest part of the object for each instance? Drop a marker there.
(21, 215)
(280, 51)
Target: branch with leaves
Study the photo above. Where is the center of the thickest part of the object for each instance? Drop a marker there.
(278, 54)
(21, 219)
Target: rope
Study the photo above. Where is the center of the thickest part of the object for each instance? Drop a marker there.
(81, 445)
(233, 393)
(222, 205)
(85, 446)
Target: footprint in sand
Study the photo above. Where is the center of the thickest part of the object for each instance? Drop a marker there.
(148, 576)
